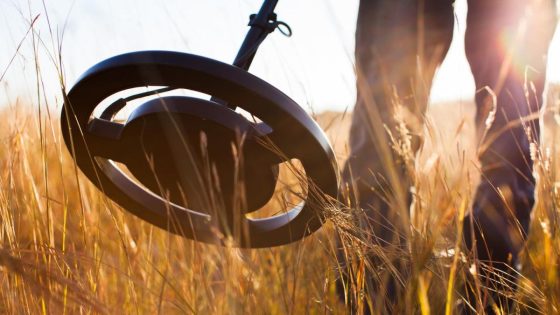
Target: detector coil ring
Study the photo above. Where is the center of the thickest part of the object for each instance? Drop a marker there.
(94, 142)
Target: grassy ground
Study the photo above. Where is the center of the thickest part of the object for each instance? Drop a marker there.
(67, 249)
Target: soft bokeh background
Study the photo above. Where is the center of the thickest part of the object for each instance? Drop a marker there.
(315, 66)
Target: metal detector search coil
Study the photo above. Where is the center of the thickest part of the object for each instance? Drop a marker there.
(175, 162)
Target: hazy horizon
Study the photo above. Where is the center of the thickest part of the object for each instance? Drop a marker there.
(314, 67)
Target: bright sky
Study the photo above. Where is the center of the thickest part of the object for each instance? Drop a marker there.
(314, 66)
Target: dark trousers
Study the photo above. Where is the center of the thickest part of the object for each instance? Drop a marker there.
(399, 45)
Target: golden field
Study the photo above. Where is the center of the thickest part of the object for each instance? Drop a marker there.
(67, 249)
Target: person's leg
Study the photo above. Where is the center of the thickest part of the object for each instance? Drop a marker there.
(506, 46)
(399, 45)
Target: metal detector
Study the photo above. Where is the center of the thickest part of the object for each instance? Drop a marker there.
(198, 167)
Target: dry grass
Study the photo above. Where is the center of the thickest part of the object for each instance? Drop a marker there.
(67, 249)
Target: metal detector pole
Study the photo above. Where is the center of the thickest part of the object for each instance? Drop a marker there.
(262, 24)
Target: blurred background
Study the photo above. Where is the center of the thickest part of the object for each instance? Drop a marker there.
(314, 66)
